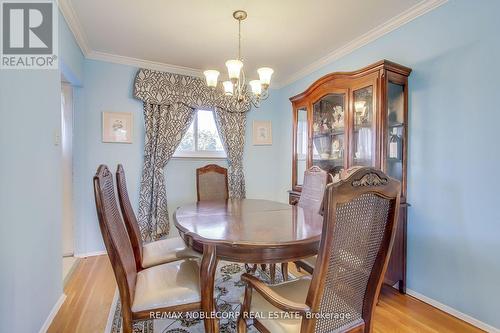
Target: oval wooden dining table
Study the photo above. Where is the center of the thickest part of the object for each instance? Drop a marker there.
(246, 231)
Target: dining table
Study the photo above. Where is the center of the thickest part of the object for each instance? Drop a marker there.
(248, 231)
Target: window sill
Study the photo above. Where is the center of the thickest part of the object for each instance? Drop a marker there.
(200, 155)
(197, 158)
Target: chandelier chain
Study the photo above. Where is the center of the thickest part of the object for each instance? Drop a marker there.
(239, 39)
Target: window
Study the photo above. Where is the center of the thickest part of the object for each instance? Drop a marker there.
(202, 138)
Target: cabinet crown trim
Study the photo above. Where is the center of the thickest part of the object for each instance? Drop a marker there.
(379, 65)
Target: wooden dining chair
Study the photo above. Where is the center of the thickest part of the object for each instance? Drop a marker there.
(360, 219)
(211, 183)
(308, 264)
(153, 253)
(168, 288)
(311, 197)
(313, 188)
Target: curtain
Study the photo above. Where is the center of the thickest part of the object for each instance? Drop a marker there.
(169, 103)
(165, 127)
(231, 127)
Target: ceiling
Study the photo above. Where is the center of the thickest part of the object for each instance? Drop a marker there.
(293, 37)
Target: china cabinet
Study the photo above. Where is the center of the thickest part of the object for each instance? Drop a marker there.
(358, 118)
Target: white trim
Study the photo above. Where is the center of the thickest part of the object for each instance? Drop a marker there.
(90, 254)
(451, 311)
(52, 314)
(76, 28)
(111, 313)
(74, 25)
(140, 63)
(201, 154)
(408, 15)
(392, 24)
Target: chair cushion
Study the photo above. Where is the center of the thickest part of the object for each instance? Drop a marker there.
(166, 250)
(311, 261)
(294, 290)
(167, 285)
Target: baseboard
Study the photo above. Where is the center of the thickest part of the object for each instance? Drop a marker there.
(111, 314)
(90, 254)
(52, 314)
(451, 311)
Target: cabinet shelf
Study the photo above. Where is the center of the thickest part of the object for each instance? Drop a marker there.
(331, 133)
(340, 160)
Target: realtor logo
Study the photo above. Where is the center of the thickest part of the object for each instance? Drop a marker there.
(29, 34)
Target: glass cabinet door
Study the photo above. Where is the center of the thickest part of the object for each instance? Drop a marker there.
(363, 140)
(329, 133)
(395, 130)
(301, 145)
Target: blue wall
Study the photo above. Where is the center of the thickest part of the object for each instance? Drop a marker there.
(30, 204)
(108, 87)
(454, 224)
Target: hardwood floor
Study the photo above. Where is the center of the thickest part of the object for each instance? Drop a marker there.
(91, 288)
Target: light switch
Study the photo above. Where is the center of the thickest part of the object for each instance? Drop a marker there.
(57, 137)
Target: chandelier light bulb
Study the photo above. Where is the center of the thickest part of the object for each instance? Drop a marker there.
(236, 85)
(256, 87)
(233, 68)
(211, 77)
(265, 74)
(228, 88)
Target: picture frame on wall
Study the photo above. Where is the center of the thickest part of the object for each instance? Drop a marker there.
(262, 133)
(117, 127)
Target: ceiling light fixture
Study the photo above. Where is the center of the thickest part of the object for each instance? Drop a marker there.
(236, 85)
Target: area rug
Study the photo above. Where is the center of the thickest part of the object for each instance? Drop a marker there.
(228, 293)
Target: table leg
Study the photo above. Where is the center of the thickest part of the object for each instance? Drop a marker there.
(207, 282)
(284, 271)
(272, 272)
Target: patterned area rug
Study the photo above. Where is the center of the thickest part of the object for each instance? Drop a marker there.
(228, 293)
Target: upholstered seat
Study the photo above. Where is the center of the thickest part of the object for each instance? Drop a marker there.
(167, 285)
(166, 250)
(153, 253)
(295, 291)
(310, 262)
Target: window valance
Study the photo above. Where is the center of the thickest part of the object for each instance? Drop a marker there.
(155, 87)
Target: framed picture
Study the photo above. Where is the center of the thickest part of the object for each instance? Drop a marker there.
(262, 132)
(117, 127)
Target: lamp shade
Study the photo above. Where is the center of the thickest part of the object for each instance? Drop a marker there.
(211, 77)
(265, 74)
(233, 68)
(256, 87)
(228, 88)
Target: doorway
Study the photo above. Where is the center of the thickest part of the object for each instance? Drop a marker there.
(68, 242)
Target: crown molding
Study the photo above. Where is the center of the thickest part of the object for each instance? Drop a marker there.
(409, 15)
(130, 61)
(74, 25)
(76, 28)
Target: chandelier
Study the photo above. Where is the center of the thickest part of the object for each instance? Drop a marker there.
(236, 86)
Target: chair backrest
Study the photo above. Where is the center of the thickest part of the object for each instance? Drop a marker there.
(360, 219)
(115, 237)
(211, 183)
(129, 216)
(313, 189)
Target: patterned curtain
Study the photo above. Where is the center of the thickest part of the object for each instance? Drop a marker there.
(165, 127)
(231, 126)
(169, 104)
